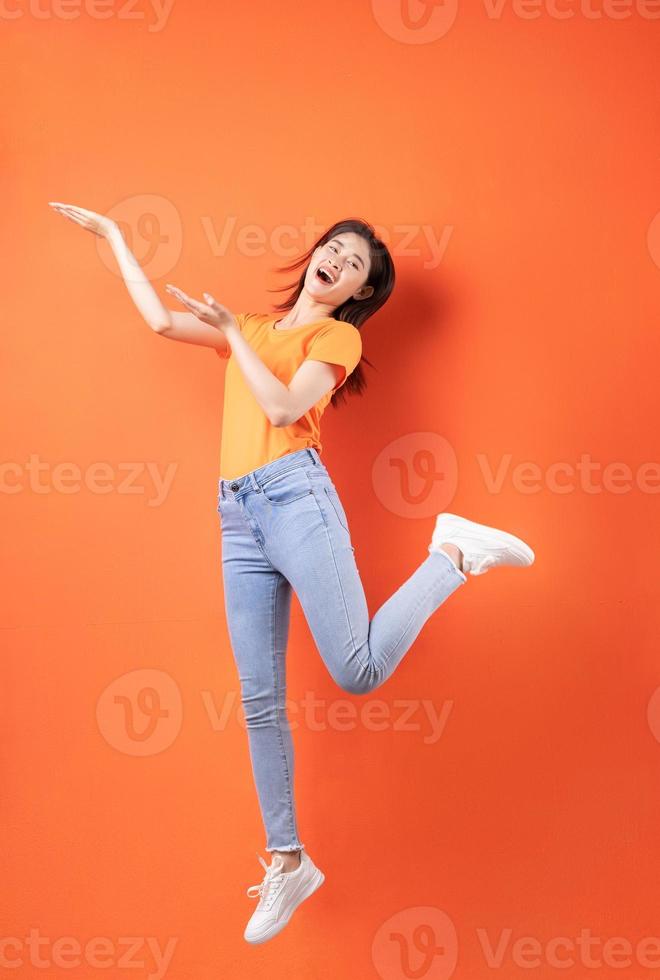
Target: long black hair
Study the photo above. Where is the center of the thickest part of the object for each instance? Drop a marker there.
(355, 311)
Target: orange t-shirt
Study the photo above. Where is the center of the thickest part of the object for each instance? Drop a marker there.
(248, 438)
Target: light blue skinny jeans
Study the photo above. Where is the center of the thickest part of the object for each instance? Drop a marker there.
(283, 527)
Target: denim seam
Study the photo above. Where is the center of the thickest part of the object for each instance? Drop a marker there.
(276, 681)
(328, 492)
(247, 518)
(341, 588)
(421, 601)
(280, 473)
(283, 503)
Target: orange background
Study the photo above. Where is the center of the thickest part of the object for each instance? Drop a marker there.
(532, 145)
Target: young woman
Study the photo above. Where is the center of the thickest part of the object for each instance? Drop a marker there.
(283, 524)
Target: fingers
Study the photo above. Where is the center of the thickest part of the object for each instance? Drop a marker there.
(192, 304)
(179, 293)
(209, 313)
(181, 296)
(70, 213)
(89, 220)
(64, 209)
(82, 212)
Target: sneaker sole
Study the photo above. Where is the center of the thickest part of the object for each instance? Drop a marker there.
(448, 523)
(310, 888)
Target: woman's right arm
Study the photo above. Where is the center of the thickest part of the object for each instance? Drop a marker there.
(185, 327)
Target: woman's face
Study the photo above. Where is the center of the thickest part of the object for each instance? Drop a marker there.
(338, 270)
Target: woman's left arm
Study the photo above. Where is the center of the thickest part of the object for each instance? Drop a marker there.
(282, 404)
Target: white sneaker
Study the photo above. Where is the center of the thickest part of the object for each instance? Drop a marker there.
(482, 546)
(280, 893)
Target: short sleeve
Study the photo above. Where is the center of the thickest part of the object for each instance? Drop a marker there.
(339, 343)
(225, 352)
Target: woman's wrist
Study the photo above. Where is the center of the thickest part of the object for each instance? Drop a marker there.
(114, 235)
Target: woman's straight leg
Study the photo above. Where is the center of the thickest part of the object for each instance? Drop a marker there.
(257, 605)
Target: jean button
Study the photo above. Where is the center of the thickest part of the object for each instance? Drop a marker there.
(234, 486)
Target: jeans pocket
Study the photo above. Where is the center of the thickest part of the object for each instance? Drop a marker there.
(286, 487)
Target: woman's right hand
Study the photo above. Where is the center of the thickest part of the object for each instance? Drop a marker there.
(211, 312)
(99, 224)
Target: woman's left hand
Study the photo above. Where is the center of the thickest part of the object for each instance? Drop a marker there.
(211, 312)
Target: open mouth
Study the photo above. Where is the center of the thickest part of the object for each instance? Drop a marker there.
(324, 275)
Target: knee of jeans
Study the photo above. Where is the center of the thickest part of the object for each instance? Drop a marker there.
(360, 683)
(260, 709)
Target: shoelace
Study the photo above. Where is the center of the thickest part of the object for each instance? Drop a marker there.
(268, 889)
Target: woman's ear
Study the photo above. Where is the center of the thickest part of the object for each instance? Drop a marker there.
(364, 292)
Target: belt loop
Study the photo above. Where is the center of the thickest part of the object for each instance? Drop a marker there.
(254, 482)
(222, 489)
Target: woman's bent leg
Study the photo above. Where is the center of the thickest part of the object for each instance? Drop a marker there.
(359, 653)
